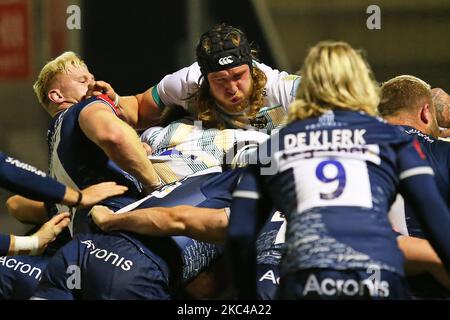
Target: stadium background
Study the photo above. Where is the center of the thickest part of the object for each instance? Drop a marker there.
(133, 44)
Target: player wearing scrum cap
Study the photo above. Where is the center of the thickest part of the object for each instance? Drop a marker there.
(226, 88)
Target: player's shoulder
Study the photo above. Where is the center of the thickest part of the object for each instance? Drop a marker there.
(101, 100)
(440, 148)
(274, 75)
(385, 130)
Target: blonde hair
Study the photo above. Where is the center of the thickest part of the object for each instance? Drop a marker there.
(58, 65)
(334, 76)
(404, 93)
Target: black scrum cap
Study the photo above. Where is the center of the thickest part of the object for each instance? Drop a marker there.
(223, 54)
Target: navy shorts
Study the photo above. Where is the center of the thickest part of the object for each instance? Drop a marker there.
(20, 275)
(268, 279)
(102, 266)
(350, 284)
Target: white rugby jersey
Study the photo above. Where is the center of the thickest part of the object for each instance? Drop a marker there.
(182, 149)
(175, 88)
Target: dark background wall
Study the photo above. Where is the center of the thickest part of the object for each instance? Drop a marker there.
(133, 47)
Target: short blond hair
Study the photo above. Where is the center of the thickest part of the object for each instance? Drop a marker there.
(403, 93)
(334, 77)
(58, 65)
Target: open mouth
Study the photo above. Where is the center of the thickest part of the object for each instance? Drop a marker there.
(235, 100)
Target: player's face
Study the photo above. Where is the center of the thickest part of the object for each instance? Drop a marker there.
(74, 84)
(231, 88)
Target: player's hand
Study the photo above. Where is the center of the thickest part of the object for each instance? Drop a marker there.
(51, 229)
(101, 87)
(147, 148)
(98, 192)
(439, 273)
(444, 133)
(101, 216)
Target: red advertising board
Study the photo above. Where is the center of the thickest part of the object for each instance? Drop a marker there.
(14, 39)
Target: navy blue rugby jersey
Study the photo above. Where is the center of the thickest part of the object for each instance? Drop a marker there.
(77, 161)
(438, 155)
(335, 178)
(181, 258)
(28, 181)
(186, 257)
(270, 240)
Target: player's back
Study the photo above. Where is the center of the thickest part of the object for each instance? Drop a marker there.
(336, 177)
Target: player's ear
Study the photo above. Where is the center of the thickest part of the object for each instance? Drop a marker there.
(425, 114)
(55, 96)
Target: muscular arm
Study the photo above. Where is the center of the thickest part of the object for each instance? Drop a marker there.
(204, 224)
(26, 210)
(141, 110)
(420, 258)
(250, 207)
(119, 141)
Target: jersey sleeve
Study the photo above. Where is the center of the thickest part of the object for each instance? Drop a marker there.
(175, 88)
(249, 210)
(4, 244)
(26, 180)
(418, 187)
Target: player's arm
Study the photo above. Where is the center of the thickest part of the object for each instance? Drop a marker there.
(119, 141)
(421, 258)
(431, 210)
(26, 180)
(35, 244)
(140, 111)
(249, 209)
(204, 224)
(26, 210)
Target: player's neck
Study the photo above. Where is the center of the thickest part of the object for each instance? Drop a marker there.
(405, 120)
(55, 109)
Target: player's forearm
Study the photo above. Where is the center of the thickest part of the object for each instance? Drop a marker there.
(26, 180)
(26, 210)
(432, 213)
(128, 106)
(203, 224)
(140, 111)
(126, 150)
(419, 255)
(151, 221)
(421, 258)
(11, 245)
(149, 114)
